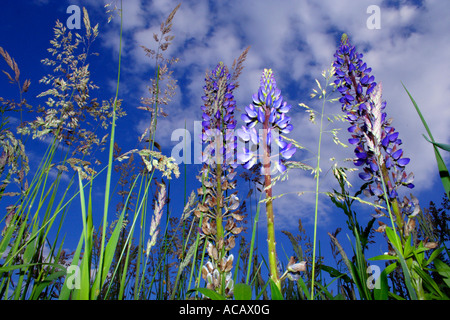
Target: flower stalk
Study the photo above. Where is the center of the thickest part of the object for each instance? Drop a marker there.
(220, 209)
(269, 110)
(377, 144)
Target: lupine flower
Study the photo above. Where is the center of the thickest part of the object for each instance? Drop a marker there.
(219, 207)
(218, 117)
(376, 142)
(270, 110)
(294, 268)
(211, 272)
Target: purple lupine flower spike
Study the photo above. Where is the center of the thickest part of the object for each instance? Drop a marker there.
(218, 116)
(375, 140)
(269, 109)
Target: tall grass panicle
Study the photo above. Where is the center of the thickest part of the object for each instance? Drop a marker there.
(163, 75)
(13, 160)
(71, 115)
(65, 118)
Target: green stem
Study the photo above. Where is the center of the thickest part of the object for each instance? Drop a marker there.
(317, 198)
(391, 203)
(271, 243)
(110, 160)
(220, 236)
(252, 244)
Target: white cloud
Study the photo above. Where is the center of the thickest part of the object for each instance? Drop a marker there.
(297, 40)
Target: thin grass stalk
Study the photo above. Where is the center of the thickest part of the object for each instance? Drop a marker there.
(123, 279)
(185, 241)
(317, 177)
(253, 240)
(164, 256)
(39, 239)
(188, 256)
(151, 145)
(140, 244)
(197, 240)
(35, 235)
(84, 293)
(149, 248)
(143, 208)
(111, 155)
(127, 244)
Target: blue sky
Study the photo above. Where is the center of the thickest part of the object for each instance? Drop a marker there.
(297, 39)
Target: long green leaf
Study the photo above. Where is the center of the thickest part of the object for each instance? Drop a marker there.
(85, 269)
(208, 293)
(430, 283)
(334, 273)
(276, 293)
(102, 264)
(46, 282)
(242, 291)
(304, 288)
(443, 146)
(27, 265)
(444, 270)
(361, 265)
(434, 255)
(381, 290)
(108, 258)
(65, 291)
(443, 171)
(407, 275)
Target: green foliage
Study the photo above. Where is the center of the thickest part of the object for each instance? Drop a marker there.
(443, 171)
(242, 291)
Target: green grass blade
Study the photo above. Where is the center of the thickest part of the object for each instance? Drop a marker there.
(381, 290)
(444, 270)
(362, 267)
(45, 283)
(242, 291)
(276, 293)
(429, 282)
(108, 258)
(407, 275)
(443, 146)
(27, 265)
(304, 287)
(443, 171)
(85, 268)
(110, 159)
(252, 243)
(208, 293)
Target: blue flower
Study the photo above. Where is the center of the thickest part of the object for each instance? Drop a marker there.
(375, 139)
(218, 116)
(268, 109)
